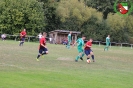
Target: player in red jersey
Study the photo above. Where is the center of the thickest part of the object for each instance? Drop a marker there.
(88, 50)
(42, 47)
(22, 37)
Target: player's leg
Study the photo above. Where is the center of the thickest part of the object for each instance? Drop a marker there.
(20, 42)
(23, 39)
(92, 55)
(40, 53)
(68, 45)
(106, 47)
(45, 51)
(87, 52)
(79, 55)
(82, 55)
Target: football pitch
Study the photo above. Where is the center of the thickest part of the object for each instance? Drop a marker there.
(19, 68)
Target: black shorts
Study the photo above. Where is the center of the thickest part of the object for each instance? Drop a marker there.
(41, 50)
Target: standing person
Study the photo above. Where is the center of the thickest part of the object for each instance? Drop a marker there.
(50, 40)
(3, 37)
(80, 44)
(42, 47)
(88, 51)
(22, 37)
(69, 40)
(40, 36)
(107, 43)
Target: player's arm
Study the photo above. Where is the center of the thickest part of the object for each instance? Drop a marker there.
(21, 34)
(75, 43)
(43, 45)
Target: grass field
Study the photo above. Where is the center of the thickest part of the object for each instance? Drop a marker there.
(19, 68)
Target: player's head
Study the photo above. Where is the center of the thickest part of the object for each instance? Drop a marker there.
(70, 32)
(108, 35)
(24, 29)
(44, 34)
(83, 37)
(91, 40)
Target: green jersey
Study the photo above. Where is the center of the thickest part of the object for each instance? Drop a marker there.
(69, 37)
(107, 40)
(80, 43)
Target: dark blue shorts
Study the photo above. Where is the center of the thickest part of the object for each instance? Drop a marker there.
(41, 50)
(22, 39)
(87, 52)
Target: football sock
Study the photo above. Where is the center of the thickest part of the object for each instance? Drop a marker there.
(92, 57)
(38, 56)
(77, 57)
(68, 46)
(20, 44)
(107, 48)
(83, 54)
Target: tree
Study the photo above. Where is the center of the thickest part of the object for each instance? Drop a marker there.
(17, 14)
(104, 6)
(119, 31)
(73, 14)
(52, 20)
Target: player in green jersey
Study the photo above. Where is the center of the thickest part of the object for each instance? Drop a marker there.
(69, 40)
(107, 43)
(80, 44)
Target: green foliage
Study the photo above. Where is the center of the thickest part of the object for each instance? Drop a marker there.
(93, 18)
(18, 14)
(51, 19)
(104, 6)
(120, 27)
(73, 14)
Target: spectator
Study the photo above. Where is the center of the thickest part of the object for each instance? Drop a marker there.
(50, 40)
(64, 42)
(3, 37)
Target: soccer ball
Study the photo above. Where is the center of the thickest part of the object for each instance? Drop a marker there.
(88, 61)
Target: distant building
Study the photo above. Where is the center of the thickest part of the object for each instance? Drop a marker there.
(60, 35)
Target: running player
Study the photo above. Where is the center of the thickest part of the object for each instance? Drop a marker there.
(22, 37)
(107, 43)
(80, 44)
(42, 47)
(69, 40)
(88, 51)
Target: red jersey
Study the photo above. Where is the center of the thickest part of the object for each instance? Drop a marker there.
(42, 41)
(23, 34)
(89, 44)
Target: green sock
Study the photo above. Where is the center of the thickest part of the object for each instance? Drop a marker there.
(107, 48)
(82, 54)
(77, 57)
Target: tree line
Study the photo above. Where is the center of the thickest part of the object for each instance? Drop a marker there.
(94, 18)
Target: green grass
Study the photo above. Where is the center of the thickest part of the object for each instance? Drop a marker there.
(19, 68)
